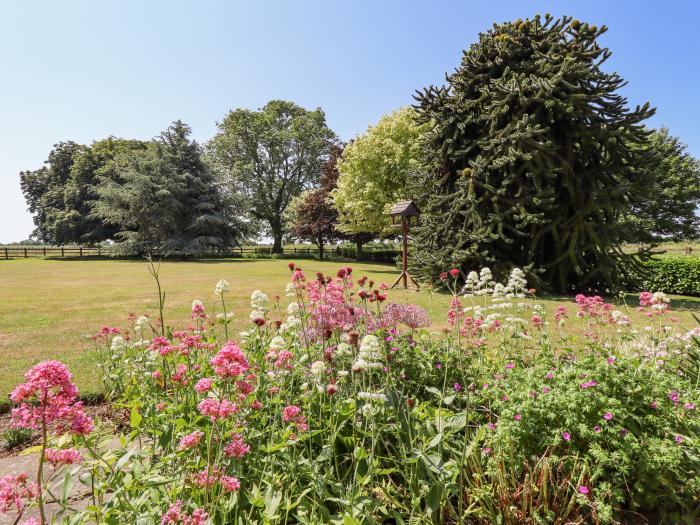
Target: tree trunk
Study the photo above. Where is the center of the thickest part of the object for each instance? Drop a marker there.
(358, 247)
(277, 237)
(320, 248)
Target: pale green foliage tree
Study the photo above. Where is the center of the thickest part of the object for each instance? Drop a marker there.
(373, 173)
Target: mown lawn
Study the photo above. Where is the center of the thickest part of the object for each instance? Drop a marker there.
(49, 308)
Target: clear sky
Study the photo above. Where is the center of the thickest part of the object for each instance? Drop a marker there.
(84, 70)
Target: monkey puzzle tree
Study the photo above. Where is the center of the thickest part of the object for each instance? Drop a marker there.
(535, 157)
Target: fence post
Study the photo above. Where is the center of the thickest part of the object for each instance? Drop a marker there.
(80, 250)
(44, 251)
(25, 253)
(62, 251)
(99, 251)
(7, 255)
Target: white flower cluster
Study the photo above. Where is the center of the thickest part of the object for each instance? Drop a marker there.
(221, 287)
(278, 343)
(118, 346)
(259, 301)
(619, 318)
(318, 369)
(370, 355)
(291, 325)
(660, 301)
(478, 284)
(290, 291)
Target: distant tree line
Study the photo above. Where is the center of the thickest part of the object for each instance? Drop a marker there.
(527, 156)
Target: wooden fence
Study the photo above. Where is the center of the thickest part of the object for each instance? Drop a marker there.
(369, 252)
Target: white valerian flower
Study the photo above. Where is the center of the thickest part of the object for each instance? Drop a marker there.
(293, 308)
(318, 368)
(221, 287)
(369, 356)
(278, 343)
(371, 396)
(343, 373)
(290, 291)
(290, 325)
(342, 350)
(118, 344)
(221, 317)
(256, 315)
(259, 300)
(141, 324)
(619, 318)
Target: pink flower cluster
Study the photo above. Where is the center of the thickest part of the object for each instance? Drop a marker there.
(211, 476)
(292, 414)
(190, 440)
(15, 491)
(593, 306)
(49, 396)
(68, 456)
(237, 448)
(217, 409)
(230, 361)
(176, 516)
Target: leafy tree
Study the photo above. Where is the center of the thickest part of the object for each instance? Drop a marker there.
(270, 156)
(373, 173)
(311, 214)
(669, 211)
(164, 199)
(537, 157)
(43, 189)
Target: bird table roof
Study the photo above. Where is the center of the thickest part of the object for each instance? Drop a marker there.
(405, 209)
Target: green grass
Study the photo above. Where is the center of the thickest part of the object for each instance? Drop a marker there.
(49, 308)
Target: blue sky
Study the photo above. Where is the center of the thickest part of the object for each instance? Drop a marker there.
(84, 70)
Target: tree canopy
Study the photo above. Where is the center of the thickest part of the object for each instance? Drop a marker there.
(669, 210)
(537, 157)
(270, 156)
(374, 170)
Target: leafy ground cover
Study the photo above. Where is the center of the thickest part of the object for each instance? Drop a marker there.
(49, 308)
(338, 405)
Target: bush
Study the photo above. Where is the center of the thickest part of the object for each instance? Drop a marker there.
(677, 275)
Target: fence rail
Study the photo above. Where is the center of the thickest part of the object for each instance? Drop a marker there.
(370, 252)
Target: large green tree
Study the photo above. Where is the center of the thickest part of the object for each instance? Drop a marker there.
(670, 210)
(373, 173)
(271, 155)
(164, 199)
(536, 158)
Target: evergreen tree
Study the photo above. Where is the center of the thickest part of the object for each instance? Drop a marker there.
(669, 211)
(164, 199)
(534, 158)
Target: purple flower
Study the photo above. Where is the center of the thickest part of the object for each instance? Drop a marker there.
(486, 451)
(566, 436)
(673, 396)
(545, 389)
(589, 384)
(549, 375)
(583, 489)
(510, 366)
(438, 366)
(678, 439)
(689, 406)
(457, 387)
(654, 405)
(607, 416)
(491, 426)
(611, 360)
(518, 417)
(597, 428)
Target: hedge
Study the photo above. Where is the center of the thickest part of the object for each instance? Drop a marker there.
(676, 275)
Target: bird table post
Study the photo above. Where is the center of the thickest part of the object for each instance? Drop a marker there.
(404, 211)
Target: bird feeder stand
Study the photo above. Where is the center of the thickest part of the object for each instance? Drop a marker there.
(404, 214)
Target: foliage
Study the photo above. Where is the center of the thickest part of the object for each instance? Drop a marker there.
(334, 409)
(669, 210)
(311, 214)
(164, 199)
(677, 275)
(16, 437)
(270, 156)
(374, 170)
(537, 157)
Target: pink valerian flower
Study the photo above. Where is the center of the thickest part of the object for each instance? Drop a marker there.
(517, 417)
(645, 299)
(689, 406)
(673, 396)
(566, 436)
(589, 384)
(597, 428)
(180, 375)
(583, 489)
(454, 312)
(509, 366)
(230, 484)
(198, 310)
(491, 426)
(331, 389)
(593, 307)
(68, 456)
(217, 409)
(237, 447)
(611, 360)
(457, 387)
(560, 314)
(292, 414)
(537, 321)
(411, 315)
(285, 360)
(545, 390)
(204, 385)
(176, 516)
(486, 451)
(49, 396)
(190, 440)
(211, 476)
(230, 361)
(607, 416)
(15, 491)
(157, 375)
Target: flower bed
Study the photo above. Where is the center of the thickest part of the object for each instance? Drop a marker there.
(337, 406)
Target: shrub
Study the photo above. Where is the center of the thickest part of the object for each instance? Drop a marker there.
(676, 275)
